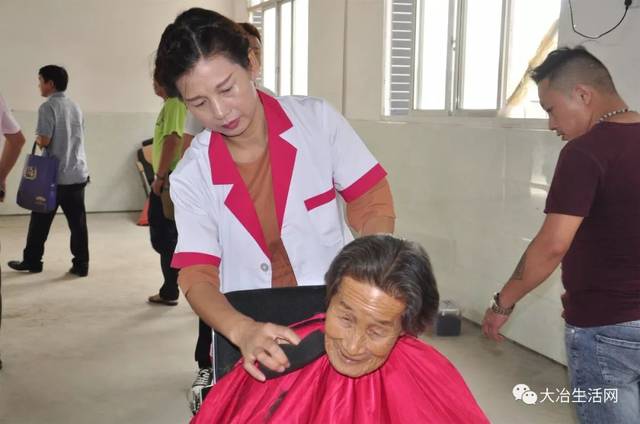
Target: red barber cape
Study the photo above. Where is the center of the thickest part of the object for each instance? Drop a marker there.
(416, 384)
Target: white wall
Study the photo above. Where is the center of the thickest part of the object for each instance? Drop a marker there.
(472, 191)
(107, 48)
(618, 50)
(326, 50)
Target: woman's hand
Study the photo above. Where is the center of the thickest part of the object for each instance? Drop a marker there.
(157, 185)
(258, 341)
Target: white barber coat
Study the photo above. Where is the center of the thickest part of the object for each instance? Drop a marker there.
(314, 153)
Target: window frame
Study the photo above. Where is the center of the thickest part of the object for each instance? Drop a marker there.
(454, 84)
(450, 71)
(262, 7)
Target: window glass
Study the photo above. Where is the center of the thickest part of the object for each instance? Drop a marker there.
(433, 46)
(532, 32)
(300, 46)
(285, 49)
(481, 54)
(269, 50)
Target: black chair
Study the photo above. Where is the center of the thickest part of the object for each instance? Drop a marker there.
(143, 164)
(283, 306)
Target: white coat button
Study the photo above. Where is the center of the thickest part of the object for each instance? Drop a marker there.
(264, 267)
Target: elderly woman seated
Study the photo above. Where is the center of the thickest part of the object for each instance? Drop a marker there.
(370, 368)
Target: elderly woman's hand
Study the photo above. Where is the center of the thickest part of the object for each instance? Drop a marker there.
(259, 341)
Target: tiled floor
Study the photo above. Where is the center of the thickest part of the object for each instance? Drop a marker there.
(493, 369)
(91, 350)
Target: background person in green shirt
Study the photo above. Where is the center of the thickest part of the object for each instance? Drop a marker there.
(167, 149)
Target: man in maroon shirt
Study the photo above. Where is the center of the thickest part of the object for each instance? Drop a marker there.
(593, 227)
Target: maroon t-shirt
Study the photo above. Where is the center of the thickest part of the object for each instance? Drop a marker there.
(598, 177)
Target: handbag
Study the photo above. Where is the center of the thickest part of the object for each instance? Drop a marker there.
(38, 185)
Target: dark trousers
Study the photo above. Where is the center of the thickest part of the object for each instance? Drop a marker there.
(71, 199)
(0, 309)
(164, 237)
(203, 346)
(0, 298)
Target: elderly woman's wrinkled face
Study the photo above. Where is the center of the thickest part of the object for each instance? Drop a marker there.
(361, 328)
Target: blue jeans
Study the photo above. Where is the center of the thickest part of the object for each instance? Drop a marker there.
(606, 358)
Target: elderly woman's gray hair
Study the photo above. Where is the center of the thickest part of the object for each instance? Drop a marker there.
(400, 268)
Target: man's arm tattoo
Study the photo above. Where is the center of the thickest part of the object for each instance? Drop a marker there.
(519, 271)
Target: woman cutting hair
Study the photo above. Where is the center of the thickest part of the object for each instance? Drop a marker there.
(370, 368)
(256, 194)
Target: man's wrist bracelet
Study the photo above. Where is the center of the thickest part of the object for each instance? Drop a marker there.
(495, 306)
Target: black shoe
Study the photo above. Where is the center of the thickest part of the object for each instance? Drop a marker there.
(24, 266)
(79, 271)
(156, 298)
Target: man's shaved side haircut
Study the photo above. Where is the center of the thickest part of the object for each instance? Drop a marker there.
(566, 67)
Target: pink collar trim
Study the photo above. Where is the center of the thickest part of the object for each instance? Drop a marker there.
(282, 157)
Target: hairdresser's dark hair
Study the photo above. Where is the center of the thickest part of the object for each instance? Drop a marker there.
(573, 65)
(400, 268)
(196, 34)
(57, 74)
(251, 29)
